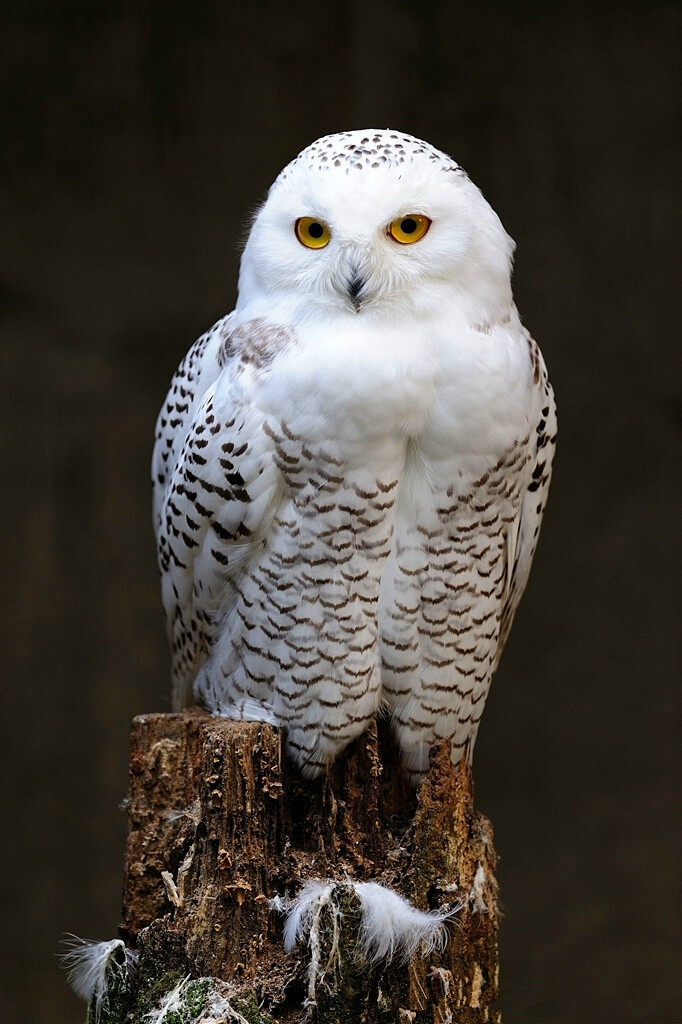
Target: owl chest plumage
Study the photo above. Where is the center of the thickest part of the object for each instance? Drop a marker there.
(382, 572)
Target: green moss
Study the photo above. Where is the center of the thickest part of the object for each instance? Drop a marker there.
(193, 1001)
(162, 965)
(250, 1010)
(195, 997)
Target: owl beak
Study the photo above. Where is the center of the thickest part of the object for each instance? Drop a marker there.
(353, 276)
(354, 288)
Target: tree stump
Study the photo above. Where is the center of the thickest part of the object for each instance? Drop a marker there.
(220, 824)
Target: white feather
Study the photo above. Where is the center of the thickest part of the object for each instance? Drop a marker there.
(87, 964)
(247, 710)
(300, 913)
(390, 926)
(304, 921)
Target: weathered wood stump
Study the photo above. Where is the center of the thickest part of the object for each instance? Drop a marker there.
(221, 823)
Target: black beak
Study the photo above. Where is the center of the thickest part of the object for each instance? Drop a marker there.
(355, 286)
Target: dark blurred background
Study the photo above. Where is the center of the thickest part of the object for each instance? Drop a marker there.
(137, 138)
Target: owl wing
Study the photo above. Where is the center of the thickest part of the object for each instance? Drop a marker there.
(523, 537)
(217, 488)
(198, 370)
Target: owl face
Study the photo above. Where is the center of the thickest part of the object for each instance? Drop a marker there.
(376, 224)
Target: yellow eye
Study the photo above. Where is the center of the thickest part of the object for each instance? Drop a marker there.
(409, 228)
(312, 233)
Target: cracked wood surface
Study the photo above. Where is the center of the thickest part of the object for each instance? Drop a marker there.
(220, 823)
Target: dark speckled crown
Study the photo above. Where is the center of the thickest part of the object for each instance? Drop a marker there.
(358, 150)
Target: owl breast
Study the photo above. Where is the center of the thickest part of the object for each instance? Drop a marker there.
(445, 584)
(300, 638)
(442, 598)
(382, 573)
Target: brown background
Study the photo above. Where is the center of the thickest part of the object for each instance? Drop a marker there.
(137, 138)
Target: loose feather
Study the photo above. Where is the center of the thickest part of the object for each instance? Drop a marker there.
(89, 964)
(390, 926)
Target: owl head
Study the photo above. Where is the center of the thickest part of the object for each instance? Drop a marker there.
(376, 224)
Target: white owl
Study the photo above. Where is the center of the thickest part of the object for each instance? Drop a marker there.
(350, 469)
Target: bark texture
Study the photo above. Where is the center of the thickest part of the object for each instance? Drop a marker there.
(220, 823)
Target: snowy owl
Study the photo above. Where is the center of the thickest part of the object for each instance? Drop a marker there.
(350, 469)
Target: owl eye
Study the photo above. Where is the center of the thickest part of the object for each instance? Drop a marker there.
(312, 233)
(409, 228)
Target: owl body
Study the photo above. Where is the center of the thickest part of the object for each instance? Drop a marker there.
(350, 469)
